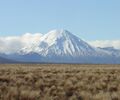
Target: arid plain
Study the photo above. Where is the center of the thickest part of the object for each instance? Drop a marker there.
(59, 82)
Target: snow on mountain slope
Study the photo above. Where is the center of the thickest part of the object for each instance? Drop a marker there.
(63, 43)
(61, 46)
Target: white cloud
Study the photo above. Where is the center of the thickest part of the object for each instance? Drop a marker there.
(106, 43)
(12, 44)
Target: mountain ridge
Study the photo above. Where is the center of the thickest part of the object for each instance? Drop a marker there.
(64, 47)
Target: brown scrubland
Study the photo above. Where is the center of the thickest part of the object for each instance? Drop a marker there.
(59, 82)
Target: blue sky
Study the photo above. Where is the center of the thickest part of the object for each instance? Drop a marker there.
(88, 19)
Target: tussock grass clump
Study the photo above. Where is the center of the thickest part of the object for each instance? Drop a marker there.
(59, 82)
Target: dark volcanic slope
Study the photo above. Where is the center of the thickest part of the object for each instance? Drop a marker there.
(5, 60)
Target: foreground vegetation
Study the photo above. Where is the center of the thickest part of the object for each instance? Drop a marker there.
(59, 82)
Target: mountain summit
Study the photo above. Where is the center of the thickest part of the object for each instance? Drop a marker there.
(61, 46)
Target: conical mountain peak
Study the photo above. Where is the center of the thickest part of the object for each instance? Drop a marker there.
(62, 42)
(58, 33)
(61, 46)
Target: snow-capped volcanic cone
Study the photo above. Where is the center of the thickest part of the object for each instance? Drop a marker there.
(61, 46)
(63, 43)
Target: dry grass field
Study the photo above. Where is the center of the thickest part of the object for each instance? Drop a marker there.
(59, 82)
